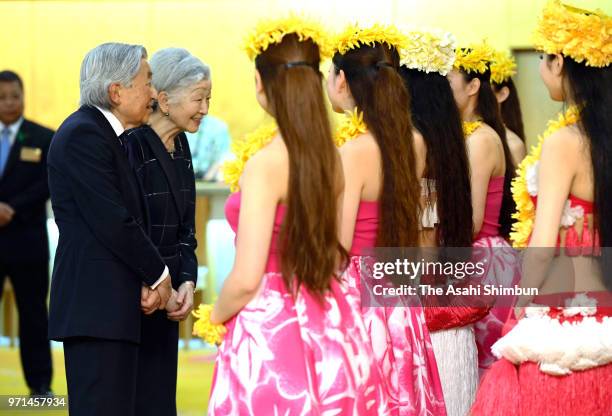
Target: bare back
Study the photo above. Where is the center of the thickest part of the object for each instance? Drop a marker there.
(487, 160)
(362, 166)
(565, 169)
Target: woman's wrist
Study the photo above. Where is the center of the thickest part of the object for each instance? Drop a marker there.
(213, 316)
(190, 283)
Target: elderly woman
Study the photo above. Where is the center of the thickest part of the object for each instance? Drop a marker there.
(159, 153)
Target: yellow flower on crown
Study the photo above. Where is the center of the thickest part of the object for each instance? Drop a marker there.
(428, 51)
(270, 32)
(355, 36)
(474, 58)
(503, 67)
(584, 36)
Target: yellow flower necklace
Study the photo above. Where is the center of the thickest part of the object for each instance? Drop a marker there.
(352, 126)
(470, 127)
(525, 209)
(211, 333)
(244, 149)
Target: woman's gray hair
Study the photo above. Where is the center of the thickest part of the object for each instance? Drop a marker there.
(174, 69)
(107, 64)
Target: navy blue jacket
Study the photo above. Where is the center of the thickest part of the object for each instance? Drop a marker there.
(103, 255)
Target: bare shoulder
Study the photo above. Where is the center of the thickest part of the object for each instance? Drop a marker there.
(516, 145)
(566, 139)
(420, 146)
(360, 147)
(512, 136)
(484, 138)
(565, 136)
(269, 162)
(513, 139)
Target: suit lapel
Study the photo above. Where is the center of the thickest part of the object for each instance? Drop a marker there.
(131, 188)
(168, 167)
(107, 129)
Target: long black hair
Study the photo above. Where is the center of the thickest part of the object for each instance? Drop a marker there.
(436, 116)
(488, 110)
(590, 88)
(511, 109)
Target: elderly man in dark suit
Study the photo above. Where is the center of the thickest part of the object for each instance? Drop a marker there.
(106, 267)
(24, 247)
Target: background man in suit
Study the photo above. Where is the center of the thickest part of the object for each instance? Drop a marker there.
(106, 268)
(24, 247)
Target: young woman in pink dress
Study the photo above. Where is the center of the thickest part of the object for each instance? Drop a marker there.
(557, 359)
(381, 208)
(491, 172)
(447, 214)
(294, 344)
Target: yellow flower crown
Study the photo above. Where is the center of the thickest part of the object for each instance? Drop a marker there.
(429, 51)
(503, 67)
(582, 35)
(270, 32)
(354, 36)
(474, 58)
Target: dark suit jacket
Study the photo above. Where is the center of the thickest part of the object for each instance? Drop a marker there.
(103, 256)
(168, 184)
(24, 187)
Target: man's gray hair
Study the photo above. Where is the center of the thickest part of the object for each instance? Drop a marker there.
(175, 69)
(107, 64)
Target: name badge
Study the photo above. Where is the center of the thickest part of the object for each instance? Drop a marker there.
(30, 154)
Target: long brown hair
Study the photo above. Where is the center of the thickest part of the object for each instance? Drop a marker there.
(379, 91)
(292, 82)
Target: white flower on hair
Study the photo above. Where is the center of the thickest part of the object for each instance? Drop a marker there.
(428, 50)
(532, 178)
(580, 304)
(571, 214)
